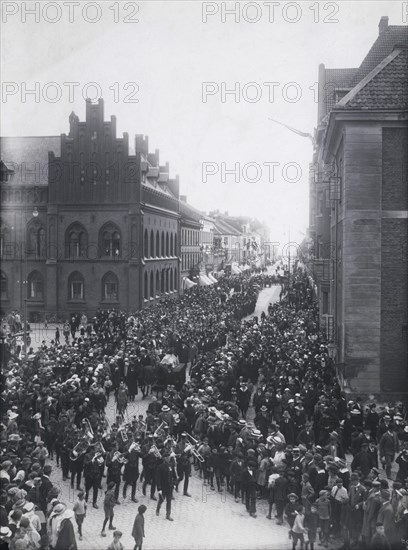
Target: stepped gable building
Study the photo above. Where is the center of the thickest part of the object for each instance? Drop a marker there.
(359, 215)
(85, 224)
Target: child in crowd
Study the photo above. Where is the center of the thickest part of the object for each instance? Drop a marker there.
(80, 512)
(312, 525)
(116, 544)
(324, 512)
(298, 529)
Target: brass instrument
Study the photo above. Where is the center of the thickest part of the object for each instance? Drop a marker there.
(134, 446)
(155, 451)
(99, 448)
(107, 425)
(80, 448)
(119, 457)
(123, 432)
(192, 447)
(160, 428)
(88, 429)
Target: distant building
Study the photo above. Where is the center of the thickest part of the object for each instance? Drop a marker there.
(359, 214)
(191, 255)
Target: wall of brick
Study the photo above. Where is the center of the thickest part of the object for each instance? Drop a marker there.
(395, 169)
(361, 255)
(394, 305)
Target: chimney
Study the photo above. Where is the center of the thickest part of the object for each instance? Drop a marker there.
(383, 24)
(183, 198)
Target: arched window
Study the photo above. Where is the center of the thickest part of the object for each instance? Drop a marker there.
(146, 286)
(171, 280)
(162, 281)
(171, 245)
(35, 246)
(146, 244)
(157, 283)
(3, 286)
(5, 240)
(35, 286)
(76, 241)
(151, 285)
(167, 280)
(110, 287)
(175, 279)
(76, 287)
(110, 241)
(175, 246)
(162, 245)
(157, 244)
(167, 245)
(151, 244)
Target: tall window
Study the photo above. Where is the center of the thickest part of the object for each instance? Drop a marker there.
(110, 287)
(157, 283)
(167, 280)
(162, 281)
(3, 286)
(157, 244)
(175, 279)
(151, 244)
(162, 245)
(110, 241)
(175, 245)
(35, 286)
(171, 245)
(146, 286)
(146, 244)
(76, 286)
(76, 241)
(171, 279)
(151, 285)
(167, 245)
(4, 240)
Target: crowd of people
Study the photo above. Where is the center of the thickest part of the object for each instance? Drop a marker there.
(260, 416)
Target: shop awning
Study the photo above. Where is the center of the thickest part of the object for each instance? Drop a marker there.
(204, 281)
(188, 283)
(235, 270)
(212, 278)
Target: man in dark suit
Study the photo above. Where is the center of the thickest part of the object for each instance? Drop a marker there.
(389, 446)
(45, 487)
(165, 478)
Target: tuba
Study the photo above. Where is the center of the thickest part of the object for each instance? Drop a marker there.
(80, 448)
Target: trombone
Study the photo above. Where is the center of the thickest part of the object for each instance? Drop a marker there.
(160, 427)
(192, 446)
(88, 428)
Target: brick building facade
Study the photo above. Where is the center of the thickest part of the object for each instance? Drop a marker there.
(106, 228)
(359, 214)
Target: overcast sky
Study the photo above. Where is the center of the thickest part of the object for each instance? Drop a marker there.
(168, 55)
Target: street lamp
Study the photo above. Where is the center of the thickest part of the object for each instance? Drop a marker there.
(25, 281)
